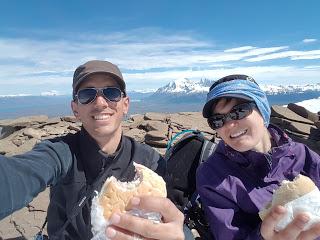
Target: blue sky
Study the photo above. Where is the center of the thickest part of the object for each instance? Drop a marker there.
(154, 42)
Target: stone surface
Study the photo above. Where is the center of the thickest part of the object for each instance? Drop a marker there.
(283, 112)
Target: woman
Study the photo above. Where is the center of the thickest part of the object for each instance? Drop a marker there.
(249, 164)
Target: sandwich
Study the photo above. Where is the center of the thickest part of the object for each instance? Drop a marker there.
(299, 195)
(115, 196)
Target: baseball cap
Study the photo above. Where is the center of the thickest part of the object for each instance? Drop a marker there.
(96, 66)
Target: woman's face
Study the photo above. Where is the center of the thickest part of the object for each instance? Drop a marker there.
(245, 134)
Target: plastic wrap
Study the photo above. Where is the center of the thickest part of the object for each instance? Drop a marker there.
(308, 203)
(99, 223)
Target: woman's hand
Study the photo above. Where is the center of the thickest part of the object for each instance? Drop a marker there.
(293, 231)
(125, 226)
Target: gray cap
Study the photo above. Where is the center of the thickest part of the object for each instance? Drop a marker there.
(97, 66)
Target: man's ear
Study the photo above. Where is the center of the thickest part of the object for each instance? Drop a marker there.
(126, 105)
(74, 107)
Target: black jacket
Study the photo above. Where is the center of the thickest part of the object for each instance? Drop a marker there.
(70, 165)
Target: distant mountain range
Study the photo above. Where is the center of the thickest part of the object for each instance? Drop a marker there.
(186, 90)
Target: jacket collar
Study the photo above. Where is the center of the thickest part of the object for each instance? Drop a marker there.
(281, 139)
(93, 159)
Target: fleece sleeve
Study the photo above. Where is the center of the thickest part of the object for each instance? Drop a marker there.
(23, 177)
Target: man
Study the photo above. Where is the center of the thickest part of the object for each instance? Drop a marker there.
(77, 164)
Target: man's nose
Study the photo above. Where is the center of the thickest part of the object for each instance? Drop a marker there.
(100, 100)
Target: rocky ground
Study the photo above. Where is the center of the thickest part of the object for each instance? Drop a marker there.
(155, 129)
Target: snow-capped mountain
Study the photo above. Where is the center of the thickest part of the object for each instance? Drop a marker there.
(184, 86)
(281, 89)
(186, 90)
(187, 86)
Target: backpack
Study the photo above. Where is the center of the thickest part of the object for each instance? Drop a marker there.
(183, 158)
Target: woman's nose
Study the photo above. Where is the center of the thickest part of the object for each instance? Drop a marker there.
(231, 123)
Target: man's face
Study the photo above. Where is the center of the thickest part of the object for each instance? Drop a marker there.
(244, 134)
(101, 118)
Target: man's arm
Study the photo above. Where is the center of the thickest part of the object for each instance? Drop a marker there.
(23, 176)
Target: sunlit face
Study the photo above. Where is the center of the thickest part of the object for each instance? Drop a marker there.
(101, 118)
(245, 134)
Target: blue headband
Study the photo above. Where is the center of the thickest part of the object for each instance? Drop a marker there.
(239, 88)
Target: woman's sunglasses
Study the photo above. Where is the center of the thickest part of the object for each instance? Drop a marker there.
(237, 112)
(88, 95)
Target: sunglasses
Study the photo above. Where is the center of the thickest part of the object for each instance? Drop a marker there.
(88, 95)
(238, 112)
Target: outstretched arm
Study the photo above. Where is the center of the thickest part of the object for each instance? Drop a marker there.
(23, 176)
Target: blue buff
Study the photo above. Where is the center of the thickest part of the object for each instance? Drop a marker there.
(241, 89)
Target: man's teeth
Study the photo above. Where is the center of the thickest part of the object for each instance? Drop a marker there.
(101, 117)
(238, 134)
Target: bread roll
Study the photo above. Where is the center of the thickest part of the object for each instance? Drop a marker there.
(289, 191)
(115, 195)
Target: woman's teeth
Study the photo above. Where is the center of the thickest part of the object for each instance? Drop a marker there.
(238, 134)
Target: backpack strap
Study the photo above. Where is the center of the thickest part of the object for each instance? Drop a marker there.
(207, 149)
(180, 133)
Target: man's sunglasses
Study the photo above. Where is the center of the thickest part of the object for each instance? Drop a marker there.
(88, 95)
(238, 112)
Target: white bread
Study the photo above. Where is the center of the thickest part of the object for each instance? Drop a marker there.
(115, 195)
(289, 191)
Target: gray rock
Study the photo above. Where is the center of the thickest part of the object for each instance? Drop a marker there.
(303, 112)
(283, 112)
(157, 143)
(6, 131)
(135, 133)
(34, 133)
(25, 223)
(153, 125)
(7, 147)
(155, 116)
(23, 121)
(71, 119)
(54, 130)
(155, 136)
(74, 127)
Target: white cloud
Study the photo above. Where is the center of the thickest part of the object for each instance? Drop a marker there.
(148, 58)
(315, 56)
(239, 49)
(293, 55)
(309, 40)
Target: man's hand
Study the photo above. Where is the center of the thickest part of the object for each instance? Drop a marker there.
(125, 226)
(294, 231)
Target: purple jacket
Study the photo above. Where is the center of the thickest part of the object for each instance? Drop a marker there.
(234, 186)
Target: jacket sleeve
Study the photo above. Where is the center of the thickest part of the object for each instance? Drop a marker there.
(23, 176)
(225, 218)
(312, 165)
